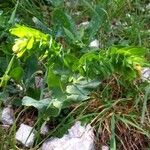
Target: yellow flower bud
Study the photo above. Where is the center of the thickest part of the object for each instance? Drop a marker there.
(20, 44)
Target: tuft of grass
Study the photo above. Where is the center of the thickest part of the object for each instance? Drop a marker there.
(7, 141)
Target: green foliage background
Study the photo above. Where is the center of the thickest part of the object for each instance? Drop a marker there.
(47, 39)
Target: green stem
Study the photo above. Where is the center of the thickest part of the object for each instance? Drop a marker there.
(10, 65)
(5, 77)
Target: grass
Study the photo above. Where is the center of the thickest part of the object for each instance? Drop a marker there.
(118, 109)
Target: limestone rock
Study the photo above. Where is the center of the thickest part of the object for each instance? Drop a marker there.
(78, 138)
(25, 135)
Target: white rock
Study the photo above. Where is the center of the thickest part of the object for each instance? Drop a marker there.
(78, 138)
(105, 148)
(44, 129)
(77, 13)
(7, 116)
(20, 87)
(25, 135)
(94, 44)
(145, 74)
(84, 24)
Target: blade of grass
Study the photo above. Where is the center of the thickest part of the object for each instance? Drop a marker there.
(147, 92)
(113, 139)
(12, 18)
(128, 122)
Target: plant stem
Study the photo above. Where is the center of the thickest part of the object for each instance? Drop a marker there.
(5, 77)
(10, 65)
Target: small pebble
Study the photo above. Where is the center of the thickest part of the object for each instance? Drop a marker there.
(105, 148)
(94, 44)
(84, 24)
(44, 129)
(8, 116)
(145, 74)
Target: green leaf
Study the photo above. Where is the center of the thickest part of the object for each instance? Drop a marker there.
(71, 61)
(80, 90)
(47, 107)
(53, 80)
(13, 15)
(3, 96)
(89, 84)
(40, 105)
(69, 34)
(54, 108)
(41, 25)
(77, 93)
(30, 43)
(31, 66)
(130, 50)
(98, 18)
(23, 31)
(64, 21)
(3, 64)
(17, 73)
(88, 57)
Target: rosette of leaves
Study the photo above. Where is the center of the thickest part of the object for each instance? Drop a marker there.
(128, 61)
(29, 40)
